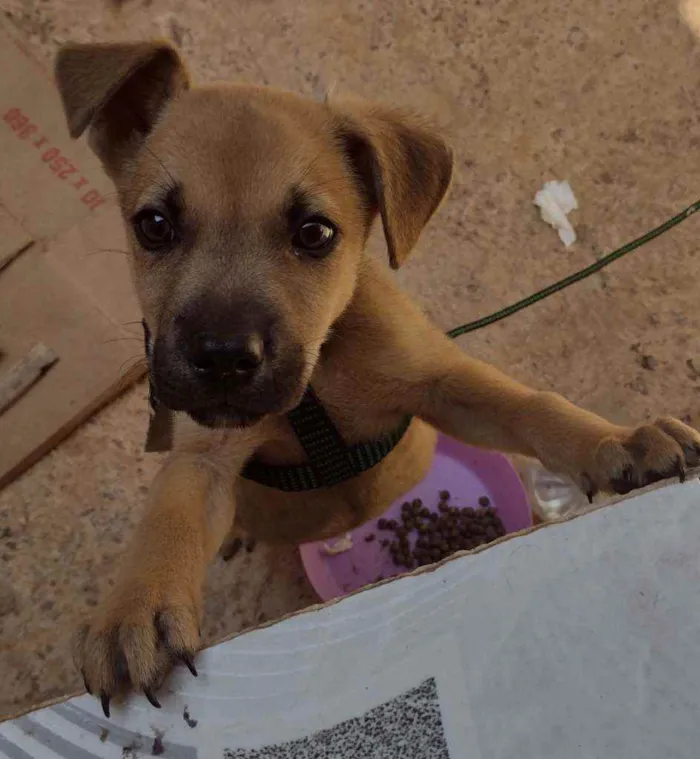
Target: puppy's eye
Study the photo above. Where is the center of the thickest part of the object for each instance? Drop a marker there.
(153, 230)
(315, 236)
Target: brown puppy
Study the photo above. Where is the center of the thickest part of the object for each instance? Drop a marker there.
(248, 211)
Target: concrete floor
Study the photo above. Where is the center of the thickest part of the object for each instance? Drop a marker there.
(604, 95)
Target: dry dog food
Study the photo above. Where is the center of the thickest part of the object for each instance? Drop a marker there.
(439, 534)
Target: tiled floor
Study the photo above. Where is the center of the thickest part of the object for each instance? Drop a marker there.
(602, 94)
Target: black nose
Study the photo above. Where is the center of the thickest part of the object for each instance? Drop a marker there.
(227, 356)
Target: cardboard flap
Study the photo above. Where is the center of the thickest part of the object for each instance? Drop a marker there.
(96, 356)
(48, 182)
(72, 289)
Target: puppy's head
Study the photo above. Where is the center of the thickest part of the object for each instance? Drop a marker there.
(248, 211)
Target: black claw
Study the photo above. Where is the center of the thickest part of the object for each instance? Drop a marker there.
(591, 489)
(152, 699)
(680, 469)
(189, 663)
(85, 682)
(104, 698)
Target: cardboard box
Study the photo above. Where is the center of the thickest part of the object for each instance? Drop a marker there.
(576, 639)
(64, 275)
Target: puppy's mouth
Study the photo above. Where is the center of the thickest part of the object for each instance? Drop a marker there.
(227, 416)
(218, 405)
(223, 416)
(218, 414)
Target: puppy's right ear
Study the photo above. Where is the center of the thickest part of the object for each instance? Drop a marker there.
(404, 166)
(118, 91)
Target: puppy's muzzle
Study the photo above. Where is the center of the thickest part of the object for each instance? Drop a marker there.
(228, 363)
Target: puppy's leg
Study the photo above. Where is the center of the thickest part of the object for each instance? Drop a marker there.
(474, 402)
(152, 617)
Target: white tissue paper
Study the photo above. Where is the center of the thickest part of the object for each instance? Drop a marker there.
(555, 200)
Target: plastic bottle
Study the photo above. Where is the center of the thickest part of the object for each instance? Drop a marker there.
(552, 495)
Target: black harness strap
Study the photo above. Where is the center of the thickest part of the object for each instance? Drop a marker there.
(331, 460)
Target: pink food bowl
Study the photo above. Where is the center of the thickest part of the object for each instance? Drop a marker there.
(468, 473)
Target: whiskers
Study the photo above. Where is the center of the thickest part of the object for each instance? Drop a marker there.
(134, 336)
(131, 370)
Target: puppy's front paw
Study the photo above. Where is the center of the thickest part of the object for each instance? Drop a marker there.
(646, 454)
(134, 640)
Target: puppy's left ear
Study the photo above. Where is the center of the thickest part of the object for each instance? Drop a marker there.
(404, 167)
(117, 91)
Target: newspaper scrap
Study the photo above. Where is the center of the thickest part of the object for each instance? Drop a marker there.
(555, 200)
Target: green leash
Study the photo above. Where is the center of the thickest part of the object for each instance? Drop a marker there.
(572, 279)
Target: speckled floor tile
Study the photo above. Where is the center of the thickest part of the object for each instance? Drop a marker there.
(601, 94)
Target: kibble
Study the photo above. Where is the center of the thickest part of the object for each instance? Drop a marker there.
(439, 533)
(369, 538)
